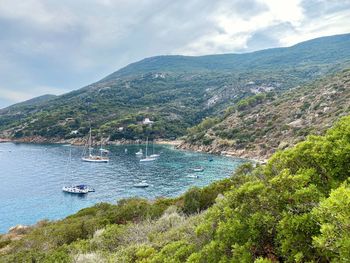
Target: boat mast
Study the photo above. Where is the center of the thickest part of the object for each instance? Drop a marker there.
(146, 146)
(90, 143)
(101, 148)
(68, 167)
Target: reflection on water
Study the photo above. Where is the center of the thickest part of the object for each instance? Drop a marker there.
(32, 176)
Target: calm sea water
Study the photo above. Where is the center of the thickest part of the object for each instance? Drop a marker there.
(32, 176)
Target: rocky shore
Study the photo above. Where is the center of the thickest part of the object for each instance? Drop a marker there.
(82, 141)
(258, 156)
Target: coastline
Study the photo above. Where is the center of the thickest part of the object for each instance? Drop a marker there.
(258, 157)
(228, 152)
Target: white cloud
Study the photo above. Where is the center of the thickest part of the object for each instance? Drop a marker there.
(14, 96)
(70, 44)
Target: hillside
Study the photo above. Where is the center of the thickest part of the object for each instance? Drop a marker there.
(296, 208)
(28, 103)
(176, 92)
(259, 125)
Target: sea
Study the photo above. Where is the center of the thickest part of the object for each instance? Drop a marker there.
(32, 177)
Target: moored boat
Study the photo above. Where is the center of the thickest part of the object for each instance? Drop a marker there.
(142, 184)
(198, 169)
(139, 153)
(94, 158)
(147, 158)
(75, 189)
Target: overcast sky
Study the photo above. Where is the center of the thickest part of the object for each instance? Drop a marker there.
(54, 46)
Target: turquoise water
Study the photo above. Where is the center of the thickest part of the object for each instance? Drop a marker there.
(32, 176)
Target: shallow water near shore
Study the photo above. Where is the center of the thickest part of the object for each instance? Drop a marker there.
(32, 176)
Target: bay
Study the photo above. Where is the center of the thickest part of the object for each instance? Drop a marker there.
(32, 176)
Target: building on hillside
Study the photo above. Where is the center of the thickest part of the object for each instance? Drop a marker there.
(147, 121)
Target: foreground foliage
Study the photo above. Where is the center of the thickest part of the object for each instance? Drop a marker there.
(293, 209)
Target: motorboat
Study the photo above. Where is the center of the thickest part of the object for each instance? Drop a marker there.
(142, 184)
(95, 159)
(197, 169)
(78, 189)
(192, 176)
(104, 151)
(139, 153)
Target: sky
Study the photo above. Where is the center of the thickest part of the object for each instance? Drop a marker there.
(52, 47)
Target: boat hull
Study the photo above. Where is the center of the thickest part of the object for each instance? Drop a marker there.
(74, 190)
(141, 185)
(95, 160)
(147, 160)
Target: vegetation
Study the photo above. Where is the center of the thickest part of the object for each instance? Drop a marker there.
(177, 92)
(293, 209)
(261, 124)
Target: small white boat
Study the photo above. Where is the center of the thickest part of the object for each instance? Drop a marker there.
(104, 150)
(74, 190)
(197, 169)
(139, 153)
(192, 176)
(95, 159)
(78, 189)
(142, 184)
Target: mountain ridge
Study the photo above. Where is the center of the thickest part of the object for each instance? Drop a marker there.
(176, 98)
(328, 40)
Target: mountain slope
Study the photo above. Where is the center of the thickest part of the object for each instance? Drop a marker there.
(257, 126)
(28, 103)
(321, 51)
(176, 92)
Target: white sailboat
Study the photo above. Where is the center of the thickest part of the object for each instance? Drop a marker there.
(93, 158)
(75, 189)
(154, 155)
(147, 158)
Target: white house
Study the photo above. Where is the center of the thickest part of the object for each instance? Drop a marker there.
(147, 121)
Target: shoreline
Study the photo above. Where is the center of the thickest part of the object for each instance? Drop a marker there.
(178, 144)
(243, 153)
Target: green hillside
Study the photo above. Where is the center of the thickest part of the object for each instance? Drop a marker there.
(296, 208)
(176, 92)
(258, 125)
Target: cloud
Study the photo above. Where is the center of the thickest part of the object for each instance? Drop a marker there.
(69, 44)
(15, 96)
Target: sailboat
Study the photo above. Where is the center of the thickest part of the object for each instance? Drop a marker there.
(147, 158)
(75, 189)
(154, 155)
(93, 158)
